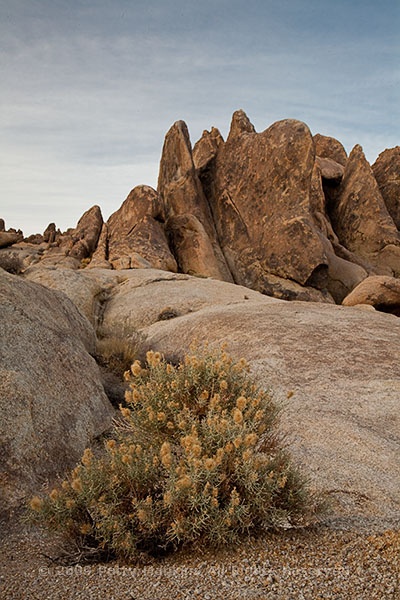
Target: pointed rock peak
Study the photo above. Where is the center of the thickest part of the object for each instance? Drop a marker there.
(180, 128)
(142, 200)
(240, 124)
(176, 158)
(94, 213)
(357, 157)
(206, 148)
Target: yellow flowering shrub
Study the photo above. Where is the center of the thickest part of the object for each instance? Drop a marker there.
(194, 456)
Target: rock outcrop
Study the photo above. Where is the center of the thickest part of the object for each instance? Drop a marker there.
(8, 238)
(182, 194)
(360, 218)
(341, 368)
(135, 234)
(383, 293)
(86, 234)
(264, 208)
(281, 212)
(329, 147)
(52, 403)
(387, 174)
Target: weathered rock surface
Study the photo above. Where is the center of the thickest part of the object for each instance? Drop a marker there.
(88, 291)
(86, 234)
(281, 212)
(262, 205)
(330, 169)
(387, 174)
(343, 421)
(329, 147)
(182, 194)
(359, 216)
(52, 403)
(206, 148)
(136, 235)
(381, 292)
(8, 238)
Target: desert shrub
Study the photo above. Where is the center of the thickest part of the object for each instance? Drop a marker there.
(195, 456)
(11, 263)
(116, 354)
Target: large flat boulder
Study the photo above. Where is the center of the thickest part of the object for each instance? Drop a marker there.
(52, 403)
(341, 367)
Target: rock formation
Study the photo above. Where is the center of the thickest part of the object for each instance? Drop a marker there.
(387, 174)
(182, 194)
(381, 292)
(282, 212)
(135, 235)
(52, 403)
(340, 366)
(360, 217)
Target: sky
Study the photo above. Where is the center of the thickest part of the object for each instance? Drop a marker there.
(90, 88)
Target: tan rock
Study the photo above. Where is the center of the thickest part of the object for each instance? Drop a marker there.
(99, 258)
(329, 147)
(206, 148)
(86, 233)
(381, 292)
(144, 296)
(387, 174)
(330, 169)
(360, 218)
(342, 369)
(52, 403)
(135, 233)
(8, 238)
(86, 290)
(182, 193)
(262, 203)
(192, 247)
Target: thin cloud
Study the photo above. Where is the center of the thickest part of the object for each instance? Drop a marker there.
(90, 89)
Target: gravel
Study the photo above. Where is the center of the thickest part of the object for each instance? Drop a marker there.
(333, 560)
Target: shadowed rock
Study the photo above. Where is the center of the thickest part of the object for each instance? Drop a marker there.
(383, 293)
(359, 216)
(387, 174)
(182, 194)
(86, 234)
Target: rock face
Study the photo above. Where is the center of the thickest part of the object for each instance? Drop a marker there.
(328, 147)
(387, 174)
(342, 367)
(381, 292)
(265, 220)
(359, 216)
(51, 400)
(8, 238)
(87, 233)
(135, 234)
(182, 194)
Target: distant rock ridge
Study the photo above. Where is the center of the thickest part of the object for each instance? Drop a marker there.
(282, 212)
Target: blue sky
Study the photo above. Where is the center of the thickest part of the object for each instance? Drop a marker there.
(89, 88)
